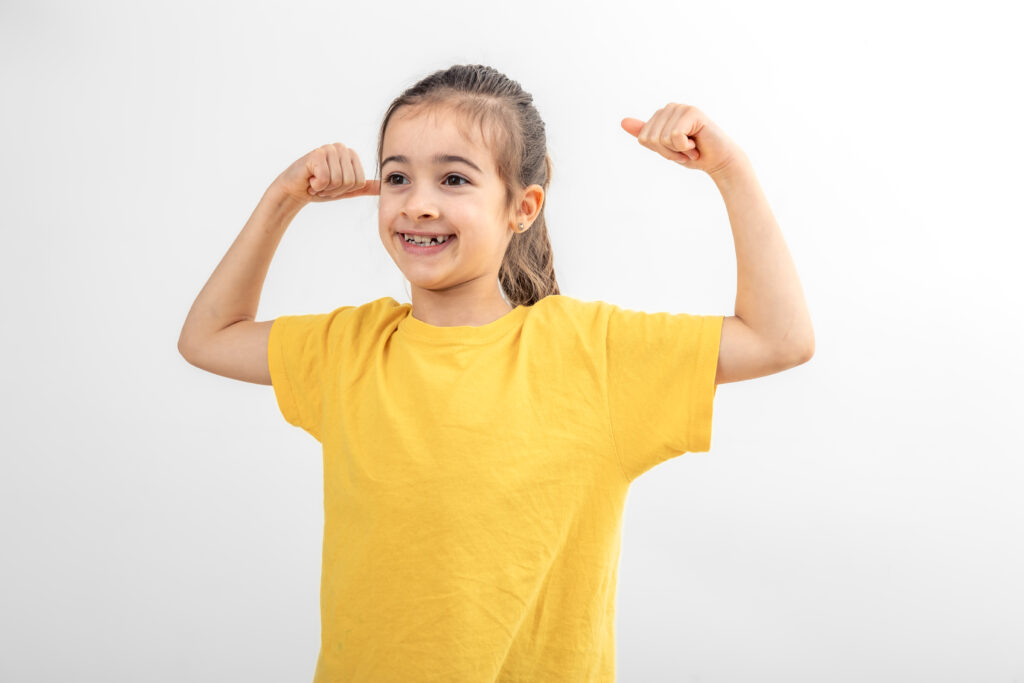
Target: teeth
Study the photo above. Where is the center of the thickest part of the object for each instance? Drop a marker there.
(422, 240)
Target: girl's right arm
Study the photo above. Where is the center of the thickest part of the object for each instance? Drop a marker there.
(220, 334)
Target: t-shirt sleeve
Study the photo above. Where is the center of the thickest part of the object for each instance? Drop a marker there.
(301, 357)
(661, 384)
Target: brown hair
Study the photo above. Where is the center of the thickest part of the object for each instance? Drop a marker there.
(486, 97)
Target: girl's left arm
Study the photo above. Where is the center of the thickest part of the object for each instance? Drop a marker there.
(769, 298)
(771, 330)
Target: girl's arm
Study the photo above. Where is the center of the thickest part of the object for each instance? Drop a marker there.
(771, 330)
(219, 334)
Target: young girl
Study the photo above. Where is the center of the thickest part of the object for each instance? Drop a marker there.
(479, 442)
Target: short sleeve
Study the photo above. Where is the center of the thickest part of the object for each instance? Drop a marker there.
(661, 384)
(300, 358)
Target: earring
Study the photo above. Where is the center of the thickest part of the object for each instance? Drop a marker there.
(521, 229)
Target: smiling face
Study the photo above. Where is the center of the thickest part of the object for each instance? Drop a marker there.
(424, 188)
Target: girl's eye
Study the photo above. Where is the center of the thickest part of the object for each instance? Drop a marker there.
(450, 175)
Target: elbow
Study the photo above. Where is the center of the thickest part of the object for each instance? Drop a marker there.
(185, 351)
(806, 356)
(804, 352)
(809, 347)
(797, 353)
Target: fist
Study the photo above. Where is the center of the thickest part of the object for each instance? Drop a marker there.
(685, 135)
(327, 173)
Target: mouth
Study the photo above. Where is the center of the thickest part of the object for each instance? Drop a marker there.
(423, 244)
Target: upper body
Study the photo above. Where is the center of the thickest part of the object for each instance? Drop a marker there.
(475, 477)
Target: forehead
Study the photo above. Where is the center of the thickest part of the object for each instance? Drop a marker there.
(419, 133)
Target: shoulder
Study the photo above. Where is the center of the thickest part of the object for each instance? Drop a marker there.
(370, 319)
(348, 320)
(382, 308)
(573, 309)
(605, 319)
(562, 304)
(571, 316)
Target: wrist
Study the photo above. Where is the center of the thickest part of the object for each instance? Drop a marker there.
(281, 201)
(737, 169)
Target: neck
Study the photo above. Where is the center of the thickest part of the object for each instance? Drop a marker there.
(457, 306)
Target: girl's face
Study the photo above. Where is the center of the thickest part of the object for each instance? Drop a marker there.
(425, 189)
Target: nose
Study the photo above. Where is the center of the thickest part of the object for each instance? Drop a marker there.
(419, 205)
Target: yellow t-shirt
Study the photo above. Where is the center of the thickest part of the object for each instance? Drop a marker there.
(475, 478)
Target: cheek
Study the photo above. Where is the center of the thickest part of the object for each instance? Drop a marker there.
(387, 238)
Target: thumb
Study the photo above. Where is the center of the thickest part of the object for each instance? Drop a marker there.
(632, 126)
(370, 187)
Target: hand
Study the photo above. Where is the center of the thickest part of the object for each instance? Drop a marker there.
(687, 136)
(327, 173)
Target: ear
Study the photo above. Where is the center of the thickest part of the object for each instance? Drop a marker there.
(530, 203)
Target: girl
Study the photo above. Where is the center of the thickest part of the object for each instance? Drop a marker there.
(479, 442)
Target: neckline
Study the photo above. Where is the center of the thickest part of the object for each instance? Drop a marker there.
(460, 334)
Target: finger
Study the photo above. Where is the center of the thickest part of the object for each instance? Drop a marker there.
(652, 134)
(631, 125)
(321, 182)
(348, 175)
(677, 135)
(357, 168)
(350, 172)
(643, 136)
(334, 157)
(318, 167)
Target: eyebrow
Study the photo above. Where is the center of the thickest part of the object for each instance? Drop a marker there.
(438, 159)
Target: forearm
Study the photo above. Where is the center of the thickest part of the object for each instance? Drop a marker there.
(233, 291)
(769, 298)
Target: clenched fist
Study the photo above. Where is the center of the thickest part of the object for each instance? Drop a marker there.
(327, 173)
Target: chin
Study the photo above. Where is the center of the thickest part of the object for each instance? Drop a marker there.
(422, 282)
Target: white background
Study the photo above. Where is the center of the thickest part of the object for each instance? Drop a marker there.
(858, 518)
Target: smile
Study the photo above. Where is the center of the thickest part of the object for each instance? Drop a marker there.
(432, 248)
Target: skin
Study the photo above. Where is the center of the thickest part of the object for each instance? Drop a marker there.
(459, 285)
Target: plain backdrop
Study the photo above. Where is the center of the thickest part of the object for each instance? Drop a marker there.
(858, 518)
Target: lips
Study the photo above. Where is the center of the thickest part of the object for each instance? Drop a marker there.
(413, 248)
